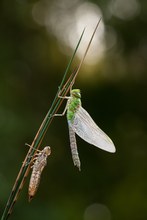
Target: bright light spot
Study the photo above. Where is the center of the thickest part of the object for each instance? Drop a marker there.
(38, 12)
(97, 212)
(110, 37)
(125, 9)
(87, 15)
(66, 21)
(66, 3)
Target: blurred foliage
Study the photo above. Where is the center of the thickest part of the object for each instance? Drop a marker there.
(114, 93)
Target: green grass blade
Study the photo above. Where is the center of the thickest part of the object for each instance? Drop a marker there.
(37, 141)
(62, 89)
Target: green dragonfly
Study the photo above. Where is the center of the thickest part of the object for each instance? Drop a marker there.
(81, 123)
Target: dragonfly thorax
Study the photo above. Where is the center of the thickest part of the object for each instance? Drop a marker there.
(73, 104)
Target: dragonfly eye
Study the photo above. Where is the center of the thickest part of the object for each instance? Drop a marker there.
(76, 93)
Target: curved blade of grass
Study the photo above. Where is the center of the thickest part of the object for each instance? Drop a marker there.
(86, 51)
(24, 170)
(63, 90)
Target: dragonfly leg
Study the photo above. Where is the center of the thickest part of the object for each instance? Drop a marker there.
(29, 156)
(63, 113)
(63, 97)
(32, 160)
(33, 148)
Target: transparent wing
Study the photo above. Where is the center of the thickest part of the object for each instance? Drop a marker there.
(84, 126)
(74, 150)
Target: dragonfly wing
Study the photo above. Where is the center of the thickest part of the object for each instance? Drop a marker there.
(84, 126)
(74, 150)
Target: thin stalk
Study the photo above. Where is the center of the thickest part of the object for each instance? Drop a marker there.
(62, 90)
(86, 51)
(24, 170)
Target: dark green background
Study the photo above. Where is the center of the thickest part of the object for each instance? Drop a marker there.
(31, 68)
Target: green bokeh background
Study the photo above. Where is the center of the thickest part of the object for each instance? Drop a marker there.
(31, 67)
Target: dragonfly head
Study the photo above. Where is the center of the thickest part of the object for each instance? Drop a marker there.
(76, 93)
(47, 150)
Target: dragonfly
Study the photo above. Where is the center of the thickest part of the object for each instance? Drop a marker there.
(24, 170)
(38, 166)
(82, 124)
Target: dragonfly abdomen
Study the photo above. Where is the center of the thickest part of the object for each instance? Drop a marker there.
(40, 163)
(74, 150)
(34, 183)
